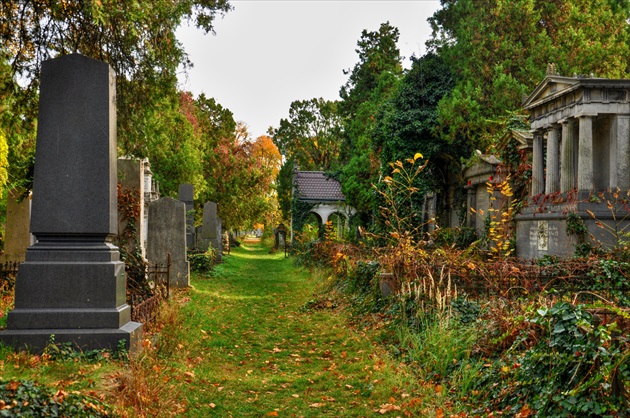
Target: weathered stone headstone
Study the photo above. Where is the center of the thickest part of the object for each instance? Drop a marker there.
(211, 229)
(17, 237)
(167, 235)
(72, 284)
(281, 237)
(200, 243)
(219, 239)
(131, 186)
(186, 195)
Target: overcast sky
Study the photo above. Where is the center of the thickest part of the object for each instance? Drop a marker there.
(266, 54)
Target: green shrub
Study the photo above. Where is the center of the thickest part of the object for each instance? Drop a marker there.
(27, 399)
(573, 368)
(460, 238)
(361, 278)
(610, 278)
(201, 262)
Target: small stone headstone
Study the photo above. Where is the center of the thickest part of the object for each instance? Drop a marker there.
(167, 235)
(281, 237)
(131, 182)
(211, 229)
(17, 237)
(186, 195)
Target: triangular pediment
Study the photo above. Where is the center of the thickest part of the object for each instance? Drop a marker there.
(552, 86)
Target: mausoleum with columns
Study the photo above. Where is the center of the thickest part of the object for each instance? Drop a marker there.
(581, 149)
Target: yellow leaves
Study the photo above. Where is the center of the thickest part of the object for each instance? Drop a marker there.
(525, 412)
(416, 156)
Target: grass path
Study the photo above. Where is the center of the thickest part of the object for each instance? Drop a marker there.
(254, 351)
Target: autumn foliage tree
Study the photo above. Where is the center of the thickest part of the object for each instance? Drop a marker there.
(240, 177)
(137, 38)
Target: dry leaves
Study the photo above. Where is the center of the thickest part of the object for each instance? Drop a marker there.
(388, 407)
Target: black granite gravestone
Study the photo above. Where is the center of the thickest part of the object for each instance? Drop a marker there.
(72, 284)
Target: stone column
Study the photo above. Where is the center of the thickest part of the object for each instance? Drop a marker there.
(567, 169)
(538, 169)
(552, 184)
(471, 202)
(585, 153)
(620, 156)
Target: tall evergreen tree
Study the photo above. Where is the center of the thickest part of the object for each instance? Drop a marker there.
(500, 49)
(370, 83)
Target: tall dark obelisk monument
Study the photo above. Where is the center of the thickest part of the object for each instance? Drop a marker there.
(72, 284)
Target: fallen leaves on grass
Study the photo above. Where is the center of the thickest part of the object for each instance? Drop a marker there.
(387, 407)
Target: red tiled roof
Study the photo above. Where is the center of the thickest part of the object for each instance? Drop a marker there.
(314, 185)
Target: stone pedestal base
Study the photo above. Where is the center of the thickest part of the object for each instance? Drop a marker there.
(75, 291)
(179, 275)
(541, 229)
(35, 340)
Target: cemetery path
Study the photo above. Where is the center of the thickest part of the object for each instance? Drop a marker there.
(253, 349)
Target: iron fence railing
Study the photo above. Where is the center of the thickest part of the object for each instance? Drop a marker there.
(8, 273)
(145, 304)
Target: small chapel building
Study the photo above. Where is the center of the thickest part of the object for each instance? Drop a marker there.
(323, 194)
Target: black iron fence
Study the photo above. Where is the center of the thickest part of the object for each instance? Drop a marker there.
(8, 273)
(145, 300)
(529, 281)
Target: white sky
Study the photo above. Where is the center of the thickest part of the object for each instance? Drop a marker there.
(266, 54)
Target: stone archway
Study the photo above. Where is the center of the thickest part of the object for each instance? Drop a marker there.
(326, 211)
(323, 193)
